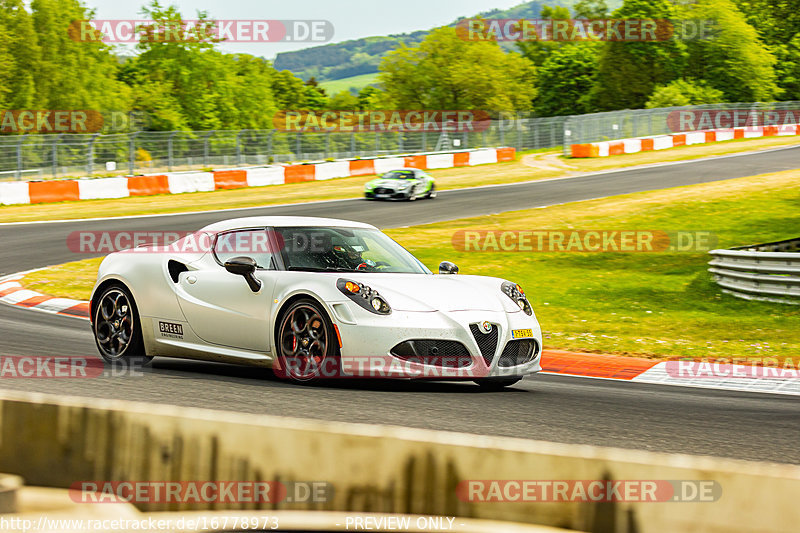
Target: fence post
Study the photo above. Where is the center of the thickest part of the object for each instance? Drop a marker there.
(239, 147)
(400, 141)
(132, 153)
(172, 134)
(269, 145)
(353, 144)
(18, 174)
(327, 143)
(205, 147)
(54, 155)
(90, 155)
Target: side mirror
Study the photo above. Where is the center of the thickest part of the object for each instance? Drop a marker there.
(246, 267)
(446, 267)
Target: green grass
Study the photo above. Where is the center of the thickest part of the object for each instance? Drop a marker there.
(333, 87)
(645, 304)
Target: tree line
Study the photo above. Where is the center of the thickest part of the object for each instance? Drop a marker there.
(753, 55)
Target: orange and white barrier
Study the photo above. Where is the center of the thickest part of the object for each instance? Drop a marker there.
(36, 192)
(662, 142)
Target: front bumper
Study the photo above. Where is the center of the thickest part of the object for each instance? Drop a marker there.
(368, 341)
(386, 194)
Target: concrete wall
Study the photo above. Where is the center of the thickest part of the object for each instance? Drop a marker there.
(56, 441)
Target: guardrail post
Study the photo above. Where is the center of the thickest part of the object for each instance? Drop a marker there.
(400, 141)
(298, 147)
(353, 144)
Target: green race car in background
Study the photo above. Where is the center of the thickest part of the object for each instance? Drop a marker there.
(402, 184)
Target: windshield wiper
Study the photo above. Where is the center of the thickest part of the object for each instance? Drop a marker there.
(318, 269)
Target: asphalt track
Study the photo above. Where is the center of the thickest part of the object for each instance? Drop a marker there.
(556, 408)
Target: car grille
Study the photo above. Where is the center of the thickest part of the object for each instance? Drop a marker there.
(518, 352)
(434, 352)
(487, 342)
(383, 190)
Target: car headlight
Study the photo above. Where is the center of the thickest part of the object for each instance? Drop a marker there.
(364, 296)
(369, 186)
(515, 292)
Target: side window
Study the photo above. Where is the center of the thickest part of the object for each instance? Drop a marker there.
(253, 243)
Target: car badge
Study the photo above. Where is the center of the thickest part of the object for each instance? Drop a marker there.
(486, 327)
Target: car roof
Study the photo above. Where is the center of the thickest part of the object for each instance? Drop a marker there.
(281, 221)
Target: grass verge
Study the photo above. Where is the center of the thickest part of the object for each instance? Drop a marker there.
(644, 304)
(528, 166)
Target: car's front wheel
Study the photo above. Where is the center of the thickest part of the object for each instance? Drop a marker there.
(495, 384)
(307, 343)
(117, 331)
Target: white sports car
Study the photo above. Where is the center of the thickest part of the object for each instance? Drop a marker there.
(312, 298)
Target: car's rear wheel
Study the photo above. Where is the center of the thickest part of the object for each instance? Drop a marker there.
(307, 343)
(495, 384)
(116, 327)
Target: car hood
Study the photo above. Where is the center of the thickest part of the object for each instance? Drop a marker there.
(426, 292)
(390, 183)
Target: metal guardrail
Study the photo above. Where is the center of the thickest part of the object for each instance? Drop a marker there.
(759, 272)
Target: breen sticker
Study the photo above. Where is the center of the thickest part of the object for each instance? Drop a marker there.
(170, 329)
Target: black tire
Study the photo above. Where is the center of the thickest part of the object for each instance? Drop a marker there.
(116, 327)
(496, 384)
(431, 193)
(306, 351)
(411, 196)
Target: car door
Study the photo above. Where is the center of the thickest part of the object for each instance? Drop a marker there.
(219, 306)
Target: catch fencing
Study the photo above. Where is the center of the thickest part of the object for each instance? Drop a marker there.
(632, 123)
(30, 157)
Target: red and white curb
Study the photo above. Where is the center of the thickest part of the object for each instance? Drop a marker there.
(13, 293)
(38, 192)
(686, 138)
(614, 367)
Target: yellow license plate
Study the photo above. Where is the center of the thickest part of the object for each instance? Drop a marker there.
(521, 333)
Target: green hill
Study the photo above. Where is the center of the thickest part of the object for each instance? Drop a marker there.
(358, 57)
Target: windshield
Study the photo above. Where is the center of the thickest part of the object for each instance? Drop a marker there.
(399, 175)
(326, 249)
